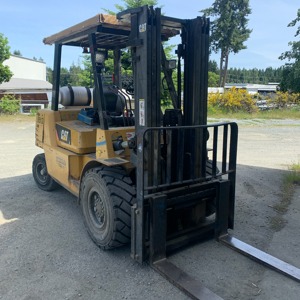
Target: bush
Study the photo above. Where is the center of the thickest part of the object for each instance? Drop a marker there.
(9, 105)
(33, 111)
(233, 100)
(285, 100)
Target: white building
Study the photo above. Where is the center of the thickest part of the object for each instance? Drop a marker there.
(262, 89)
(27, 83)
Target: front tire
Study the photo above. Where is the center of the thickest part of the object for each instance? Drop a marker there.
(40, 174)
(106, 197)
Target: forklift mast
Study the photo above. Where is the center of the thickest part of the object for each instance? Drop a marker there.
(183, 155)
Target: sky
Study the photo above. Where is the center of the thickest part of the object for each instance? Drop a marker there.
(26, 23)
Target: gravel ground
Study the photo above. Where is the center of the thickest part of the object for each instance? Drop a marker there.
(45, 252)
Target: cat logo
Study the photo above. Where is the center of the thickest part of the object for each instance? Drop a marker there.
(143, 27)
(63, 134)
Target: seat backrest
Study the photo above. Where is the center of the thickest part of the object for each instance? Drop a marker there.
(113, 101)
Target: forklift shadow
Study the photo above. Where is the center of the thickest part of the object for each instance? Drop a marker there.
(20, 198)
(12, 193)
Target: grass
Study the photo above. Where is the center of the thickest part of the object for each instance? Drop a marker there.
(17, 118)
(293, 178)
(290, 181)
(212, 114)
(267, 114)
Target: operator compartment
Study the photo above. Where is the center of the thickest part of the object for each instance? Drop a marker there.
(80, 131)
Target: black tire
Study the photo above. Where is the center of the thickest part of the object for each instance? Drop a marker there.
(40, 174)
(209, 169)
(106, 197)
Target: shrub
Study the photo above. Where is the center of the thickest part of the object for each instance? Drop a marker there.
(285, 100)
(10, 105)
(33, 111)
(233, 100)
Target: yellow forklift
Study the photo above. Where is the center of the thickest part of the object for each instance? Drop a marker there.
(160, 179)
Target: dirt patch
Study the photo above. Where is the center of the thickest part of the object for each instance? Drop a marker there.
(17, 118)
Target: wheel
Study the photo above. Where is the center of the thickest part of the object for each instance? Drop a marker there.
(209, 169)
(40, 174)
(106, 197)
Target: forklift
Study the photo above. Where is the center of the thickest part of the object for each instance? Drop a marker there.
(158, 178)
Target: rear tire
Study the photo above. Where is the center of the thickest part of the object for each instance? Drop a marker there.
(106, 197)
(40, 174)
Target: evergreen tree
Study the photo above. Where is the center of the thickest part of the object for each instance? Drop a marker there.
(49, 75)
(229, 29)
(64, 76)
(291, 70)
(125, 54)
(131, 4)
(17, 52)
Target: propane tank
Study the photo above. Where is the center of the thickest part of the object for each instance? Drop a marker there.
(75, 96)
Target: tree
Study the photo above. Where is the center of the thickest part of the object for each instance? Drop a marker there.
(10, 105)
(125, 53)
(74, 72)
(213, 66)
(228, 29)
(213, 74)
(64, 77)
(49, 74)
(131, 4)
(213, 79)
(291, 78)
(85, 75)
(17, 52)
(5, 73)
(40, 59)
(291, 70)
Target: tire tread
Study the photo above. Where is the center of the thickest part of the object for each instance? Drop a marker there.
(122, 194)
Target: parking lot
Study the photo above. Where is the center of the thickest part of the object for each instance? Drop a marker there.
(45, 252)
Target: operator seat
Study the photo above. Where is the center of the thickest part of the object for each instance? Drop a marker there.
(114, 103)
